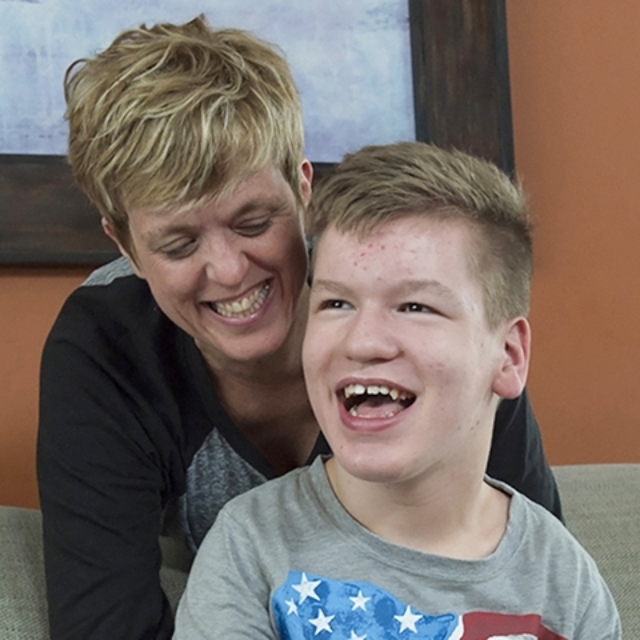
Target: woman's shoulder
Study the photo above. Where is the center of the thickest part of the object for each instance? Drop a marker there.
(108, 273)
(112, 304)
(112, 292)
(112, 323)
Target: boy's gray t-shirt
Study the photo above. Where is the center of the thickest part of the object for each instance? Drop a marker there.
(287, 561)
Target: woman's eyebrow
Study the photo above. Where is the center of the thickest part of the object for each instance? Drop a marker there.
(160, 235)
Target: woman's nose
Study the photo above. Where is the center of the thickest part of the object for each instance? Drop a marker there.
(226, 263)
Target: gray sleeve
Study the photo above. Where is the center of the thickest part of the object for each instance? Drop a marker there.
(106, 274)
(227, 595)
(601, 620)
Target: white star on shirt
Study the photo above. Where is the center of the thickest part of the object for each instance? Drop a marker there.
(353, 636)
(321, 623)
(408, 620)
(359, 601)
(292, 607)
(307, 588)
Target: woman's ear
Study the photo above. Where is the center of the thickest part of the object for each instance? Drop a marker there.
(510, 379)
(109, 230)
(306, 178)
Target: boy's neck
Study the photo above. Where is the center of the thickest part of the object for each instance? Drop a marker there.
(462, 517)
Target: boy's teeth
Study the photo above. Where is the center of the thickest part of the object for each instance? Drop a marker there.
(373, 390)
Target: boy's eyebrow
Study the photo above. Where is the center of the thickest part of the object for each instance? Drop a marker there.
(329, 285)
(406, 287)
(417, 286)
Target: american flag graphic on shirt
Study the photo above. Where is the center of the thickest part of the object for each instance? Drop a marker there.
(308, 606)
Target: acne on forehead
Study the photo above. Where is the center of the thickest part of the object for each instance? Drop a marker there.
(390, 240)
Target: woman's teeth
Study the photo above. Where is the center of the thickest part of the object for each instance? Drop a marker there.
(244, 307)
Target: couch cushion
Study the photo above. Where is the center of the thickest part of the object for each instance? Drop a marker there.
(23, 613)
(23, 609)
(601, 504)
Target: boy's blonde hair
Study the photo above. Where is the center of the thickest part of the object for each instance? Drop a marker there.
(379, 183)
(175, 114)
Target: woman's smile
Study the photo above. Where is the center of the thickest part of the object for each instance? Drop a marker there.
(244, 306)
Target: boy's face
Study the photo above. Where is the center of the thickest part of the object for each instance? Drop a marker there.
(403, 373)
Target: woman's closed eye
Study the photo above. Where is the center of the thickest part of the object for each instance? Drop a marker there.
(179, 249)
(253, 228)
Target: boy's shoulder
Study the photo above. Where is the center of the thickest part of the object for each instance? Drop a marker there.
(530, 518)
(543, 540)
(301, 498)
(278, 493)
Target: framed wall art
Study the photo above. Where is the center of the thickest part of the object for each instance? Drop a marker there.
(369, 72)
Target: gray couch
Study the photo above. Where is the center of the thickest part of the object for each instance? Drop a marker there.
(601, 504)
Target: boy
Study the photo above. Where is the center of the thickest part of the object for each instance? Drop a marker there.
(417, 329)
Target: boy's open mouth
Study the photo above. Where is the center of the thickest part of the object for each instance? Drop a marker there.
(375, 401)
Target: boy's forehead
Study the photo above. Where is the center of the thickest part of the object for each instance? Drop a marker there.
(396, 231)
(414, 241)
(409, 253)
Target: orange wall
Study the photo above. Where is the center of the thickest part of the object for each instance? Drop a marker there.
(575, 81)
(30, 300)
(575, 78)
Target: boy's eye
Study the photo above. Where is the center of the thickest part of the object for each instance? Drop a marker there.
(415, 307)
(253, 228)
(333, 304)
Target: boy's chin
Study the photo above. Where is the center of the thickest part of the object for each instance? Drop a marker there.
(366, 468)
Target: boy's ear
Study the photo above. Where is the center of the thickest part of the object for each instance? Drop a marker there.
(510, 379)
(108, 229)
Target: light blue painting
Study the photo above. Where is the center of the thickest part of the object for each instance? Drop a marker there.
(350, 58)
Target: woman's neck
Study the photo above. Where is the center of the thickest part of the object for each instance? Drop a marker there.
(266, 398)
(278, 368)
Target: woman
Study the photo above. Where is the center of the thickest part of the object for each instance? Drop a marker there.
(172, 380)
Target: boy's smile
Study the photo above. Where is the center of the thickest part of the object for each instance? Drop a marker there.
(375, 400)
(403, 372)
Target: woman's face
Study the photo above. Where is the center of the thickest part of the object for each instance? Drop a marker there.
(229, 272)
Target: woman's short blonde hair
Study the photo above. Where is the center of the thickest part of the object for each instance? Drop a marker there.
(174, 114)
(380, 183)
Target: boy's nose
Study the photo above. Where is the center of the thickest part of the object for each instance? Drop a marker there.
(371, 338)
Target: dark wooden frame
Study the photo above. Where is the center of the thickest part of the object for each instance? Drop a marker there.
(461, 95)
